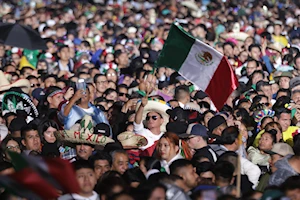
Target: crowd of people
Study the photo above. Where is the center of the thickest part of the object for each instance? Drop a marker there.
(133, 130)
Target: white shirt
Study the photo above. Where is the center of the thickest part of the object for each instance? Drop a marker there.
(140, 130)
(78, 197)
(166, 164)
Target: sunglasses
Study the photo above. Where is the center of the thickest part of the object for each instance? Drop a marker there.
(122, 94)
(37, 85)
(152, 117)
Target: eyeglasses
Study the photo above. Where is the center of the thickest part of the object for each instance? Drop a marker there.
(101, 82)
(122, 94)
(152, 117)
(111, 74)
(12, 147)
(37, 85)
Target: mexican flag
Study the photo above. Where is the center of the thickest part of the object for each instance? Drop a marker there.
(42, 177)
(199, 63)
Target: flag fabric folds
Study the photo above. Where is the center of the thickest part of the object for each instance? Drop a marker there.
(199, 63)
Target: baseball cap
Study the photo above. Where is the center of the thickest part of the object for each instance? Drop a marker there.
(178, 114)
(195, 130)
(38, 94)
(294, 82)
(102, 129)
(215, 121)
(282, 149)
(200, 95)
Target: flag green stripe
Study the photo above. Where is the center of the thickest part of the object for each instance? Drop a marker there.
(176, 48)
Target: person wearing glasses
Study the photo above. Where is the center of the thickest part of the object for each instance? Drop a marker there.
(123, 93)
(154, 120)
(9, 144)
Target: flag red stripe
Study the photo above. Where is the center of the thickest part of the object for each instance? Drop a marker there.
(64, 173)
(34, 182)
(222, 84)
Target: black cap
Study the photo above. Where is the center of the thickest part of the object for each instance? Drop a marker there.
(215, 121)
(102, 129)
(200, 95)
(17, 124)
(178, 114)
(177, 127)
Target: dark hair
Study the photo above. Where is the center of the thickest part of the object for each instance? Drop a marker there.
(291, 183)
(296, 146)
(279, 111)
(151, 163)
(117, 151)
(31, 77)
(100, 155)
(80, 164)
(203, 167)
(134, 175)
(106, 186)
(122, 86)
(108, 91)
(223, 171)
(229, 156)
(44, 125)
(62, 47)
(204, 104)
(260, 84)
(228, 43)
(27, 128)
(178, 164)
(250, 59)
(6, 140)
(97, 76)
(180, 89)
(86, 43)
(287, 91)
(230, 134)
(145, 189)
(5, 165)
(22, 71)
(273, 133)
(254, 46)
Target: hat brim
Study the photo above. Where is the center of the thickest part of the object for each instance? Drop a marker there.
(131, 140)
(184, 135)
(24, 84)
(71, 136)
(156, 106)
(270, 152)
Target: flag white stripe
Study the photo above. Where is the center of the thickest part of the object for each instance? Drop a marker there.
(196, 68)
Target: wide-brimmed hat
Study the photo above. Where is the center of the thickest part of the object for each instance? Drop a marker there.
(5, 85)
(14, 100)
(130, 140)
(83, 133)
(158, 106)
(276, 46)
(283, 74)
(240, 36)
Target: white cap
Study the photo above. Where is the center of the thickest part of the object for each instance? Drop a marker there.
(131, 30)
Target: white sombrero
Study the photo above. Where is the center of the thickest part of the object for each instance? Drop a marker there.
(156, 106)
(130, 140)
(240, 36)
(83, 133)
(5, 85)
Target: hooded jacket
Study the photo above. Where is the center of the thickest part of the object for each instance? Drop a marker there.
(284, 171)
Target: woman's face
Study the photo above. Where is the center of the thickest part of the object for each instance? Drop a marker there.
(112, 96)
(207, 117)
(49, 135)
(111, 75)
(265, 142)
(167, 150)
(12, 146)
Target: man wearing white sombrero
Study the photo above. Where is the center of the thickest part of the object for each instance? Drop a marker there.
(153, 113)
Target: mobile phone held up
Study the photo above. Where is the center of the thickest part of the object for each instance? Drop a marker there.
(81, 85)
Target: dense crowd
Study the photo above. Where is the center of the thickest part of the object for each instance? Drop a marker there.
(133, 130)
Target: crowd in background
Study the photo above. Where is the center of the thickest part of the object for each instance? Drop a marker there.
(134, 131)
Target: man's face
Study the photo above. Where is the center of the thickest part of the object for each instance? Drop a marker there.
(123, 93)
(86, 179)
(251, 67)
(27, 72)
(293, 194)
(32, 141)
(154, 120)
(123, 59)
(284, 82)
(84, 151)
(267, 90)
(55, 100)
(190, 177)
(274, 158)
(100, 167)
(277, 30)
(50, 82)
(64, 54)
(193, 141)
(120, 163)
(296, 97)
(255, 53)
(228, 51)
(285, 121)
(101, 84)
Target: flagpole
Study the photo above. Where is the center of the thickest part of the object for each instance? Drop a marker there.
(238, 181)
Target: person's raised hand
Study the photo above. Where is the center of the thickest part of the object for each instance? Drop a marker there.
(78, 95)
(144, 101)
